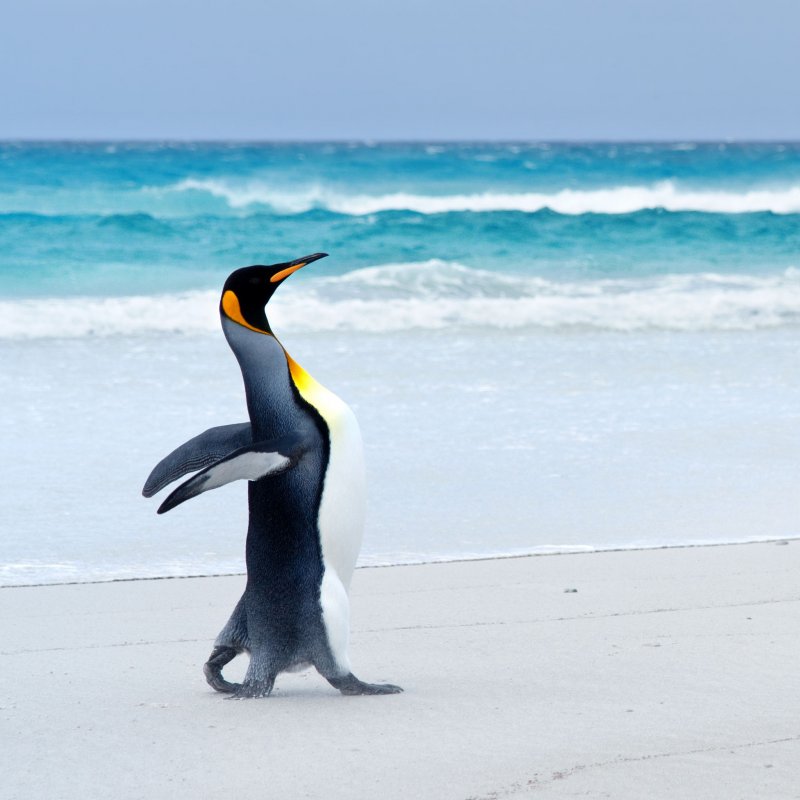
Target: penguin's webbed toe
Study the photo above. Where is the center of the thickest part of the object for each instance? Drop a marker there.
(380, 688)
(350, 685)
(253, 690)
(212, 669)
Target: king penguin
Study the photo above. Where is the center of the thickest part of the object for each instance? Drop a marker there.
(301, 452)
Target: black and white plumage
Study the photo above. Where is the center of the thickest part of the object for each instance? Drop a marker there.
(302, 454)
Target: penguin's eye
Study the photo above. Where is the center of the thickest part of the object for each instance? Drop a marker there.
(254, 281)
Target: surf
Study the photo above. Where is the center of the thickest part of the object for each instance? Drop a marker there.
(625, 199)
(438, 295)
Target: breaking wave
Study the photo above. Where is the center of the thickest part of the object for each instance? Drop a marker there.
(437, 295)
(614, 200)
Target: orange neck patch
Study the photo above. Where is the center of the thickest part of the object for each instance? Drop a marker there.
(233, 311)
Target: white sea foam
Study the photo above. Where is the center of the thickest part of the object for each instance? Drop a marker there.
(613, 200)
(71, 317)
(435, 295)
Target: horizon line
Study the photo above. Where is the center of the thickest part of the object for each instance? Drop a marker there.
(389, 141)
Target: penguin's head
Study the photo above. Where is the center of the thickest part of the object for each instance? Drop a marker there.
(247, 291)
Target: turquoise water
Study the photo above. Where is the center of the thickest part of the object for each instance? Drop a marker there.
(549, 346)
(129, 219)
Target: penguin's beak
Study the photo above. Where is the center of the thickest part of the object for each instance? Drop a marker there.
(295, 265)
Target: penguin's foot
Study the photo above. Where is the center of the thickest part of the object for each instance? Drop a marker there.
(212, 669)
(350, 685)
(253, 689)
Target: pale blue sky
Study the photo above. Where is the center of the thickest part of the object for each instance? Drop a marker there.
(414, 69)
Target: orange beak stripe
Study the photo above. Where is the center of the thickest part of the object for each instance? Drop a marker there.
(285, 273)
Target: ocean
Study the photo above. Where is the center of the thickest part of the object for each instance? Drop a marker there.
(550, 347)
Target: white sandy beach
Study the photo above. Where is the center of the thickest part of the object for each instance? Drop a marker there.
(667, 674)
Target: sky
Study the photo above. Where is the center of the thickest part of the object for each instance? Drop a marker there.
(381, 70)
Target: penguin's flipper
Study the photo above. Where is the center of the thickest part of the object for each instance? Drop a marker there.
(251, 463)
(199, 452)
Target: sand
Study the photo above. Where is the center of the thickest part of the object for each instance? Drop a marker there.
(667, 674)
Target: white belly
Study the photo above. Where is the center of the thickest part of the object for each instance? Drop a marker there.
(341, 525)
(341, 511)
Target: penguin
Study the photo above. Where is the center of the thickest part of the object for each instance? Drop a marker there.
(302, 454)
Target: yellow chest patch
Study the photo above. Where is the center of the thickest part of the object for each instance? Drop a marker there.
(324, 400)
